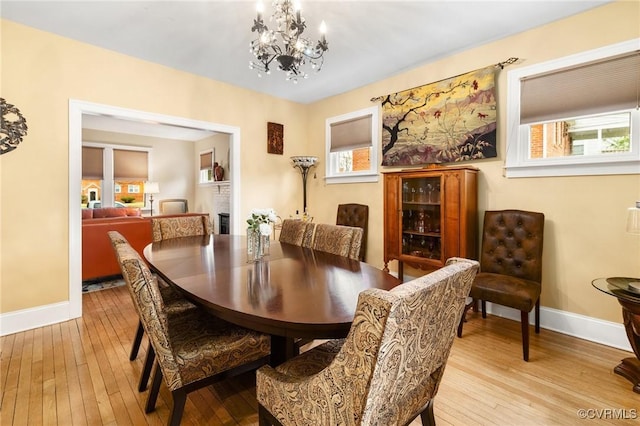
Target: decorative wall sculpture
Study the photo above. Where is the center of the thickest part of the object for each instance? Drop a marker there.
(14, 127)
(446, 121)
(275, 138)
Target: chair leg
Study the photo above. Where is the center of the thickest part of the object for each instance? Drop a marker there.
(484, 308)
(137, 340)
(179, 399)
(146, 369)
(265, 418)
(463, 318)
(155, 389)
(427, 416)
(524, 319)
(538, 317)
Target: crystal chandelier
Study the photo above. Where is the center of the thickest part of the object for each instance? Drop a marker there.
(285, 43)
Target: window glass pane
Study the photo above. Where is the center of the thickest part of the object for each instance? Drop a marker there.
(361, 159)
(130, 195)
(91, 190)
(583, 136)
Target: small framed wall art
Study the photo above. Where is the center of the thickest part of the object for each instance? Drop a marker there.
(275, 138)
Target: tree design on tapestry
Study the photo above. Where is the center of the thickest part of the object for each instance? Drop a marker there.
(446, 121)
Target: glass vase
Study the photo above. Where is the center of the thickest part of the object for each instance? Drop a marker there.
(257, 245)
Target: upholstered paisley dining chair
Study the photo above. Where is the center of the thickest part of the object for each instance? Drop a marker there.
(186, 225)
(297, 232)
(387, 370)
(174, 304)
(353, 214)
(164, 228)
(338, 239)
(193, 349)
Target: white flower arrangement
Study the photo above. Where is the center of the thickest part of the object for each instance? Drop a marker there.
(262, 220)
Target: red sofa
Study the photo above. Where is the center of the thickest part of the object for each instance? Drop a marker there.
(98, 258)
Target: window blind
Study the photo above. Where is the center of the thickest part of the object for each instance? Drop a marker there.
(130, 165)
(603, 86)
(92, 166)
(351, 134)
(206, 160)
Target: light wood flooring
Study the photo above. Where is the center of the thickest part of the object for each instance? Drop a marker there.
(78, 373)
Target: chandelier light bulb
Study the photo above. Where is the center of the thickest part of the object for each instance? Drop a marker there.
(260, 8)
(323, 28)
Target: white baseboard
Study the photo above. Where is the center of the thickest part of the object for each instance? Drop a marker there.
(40, 316)
(581, 326)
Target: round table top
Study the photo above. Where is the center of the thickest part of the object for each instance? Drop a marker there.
(624, 288)
(293, 292)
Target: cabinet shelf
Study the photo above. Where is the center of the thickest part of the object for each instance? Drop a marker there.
(418, 203)
(422, 234)
(450, 223)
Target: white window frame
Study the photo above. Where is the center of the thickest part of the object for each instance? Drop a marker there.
(332, 176)
(518, 164)
(108, 183)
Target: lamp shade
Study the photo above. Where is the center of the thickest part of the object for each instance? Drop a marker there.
(151, 188)
(633, 219)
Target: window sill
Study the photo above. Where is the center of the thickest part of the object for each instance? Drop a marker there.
(604, 168)
(363, 178)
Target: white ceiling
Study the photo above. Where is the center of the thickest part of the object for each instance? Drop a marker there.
(368, 40)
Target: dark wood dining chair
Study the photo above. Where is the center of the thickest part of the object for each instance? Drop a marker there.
(194, 349)
(355, 215)
(511, 266)
(387, 370)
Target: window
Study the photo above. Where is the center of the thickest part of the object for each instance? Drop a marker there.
(206, 166)
(577, 115)
(113, 173)
(351, 154)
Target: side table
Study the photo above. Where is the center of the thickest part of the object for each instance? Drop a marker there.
(629, 298)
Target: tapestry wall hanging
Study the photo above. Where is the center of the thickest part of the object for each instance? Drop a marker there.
(447, 121)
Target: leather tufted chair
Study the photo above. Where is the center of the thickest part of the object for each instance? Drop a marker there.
(511, 266)
(355, 215)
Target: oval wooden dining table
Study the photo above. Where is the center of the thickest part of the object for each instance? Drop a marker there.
(293, 292)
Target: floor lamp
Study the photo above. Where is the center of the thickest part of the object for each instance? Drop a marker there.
(151, 188)
(304, 163)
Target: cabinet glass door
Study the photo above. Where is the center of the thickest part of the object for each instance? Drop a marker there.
(421, 217)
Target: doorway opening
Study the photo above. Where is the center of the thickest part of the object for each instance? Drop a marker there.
(79, 110)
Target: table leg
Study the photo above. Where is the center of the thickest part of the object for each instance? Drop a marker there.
(629, 368)
(282, 349)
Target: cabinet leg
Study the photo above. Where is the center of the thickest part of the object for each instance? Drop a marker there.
(386, 267)
(401, 271)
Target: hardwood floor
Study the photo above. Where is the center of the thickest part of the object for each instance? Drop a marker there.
(79, 373)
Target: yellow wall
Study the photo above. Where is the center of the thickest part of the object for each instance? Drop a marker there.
(585, 216)
(585, 235)
(40, 73)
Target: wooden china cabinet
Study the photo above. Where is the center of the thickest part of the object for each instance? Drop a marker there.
(430, 215)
